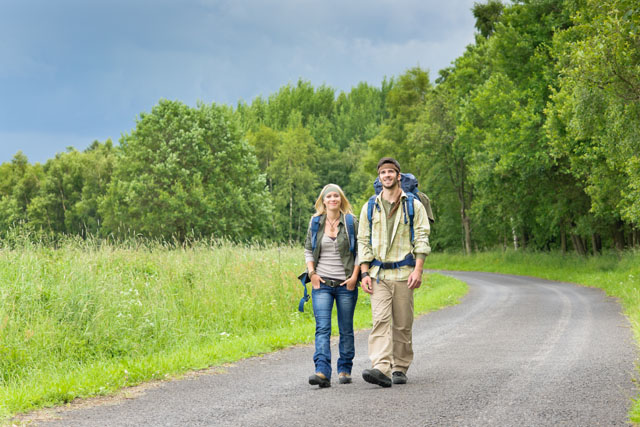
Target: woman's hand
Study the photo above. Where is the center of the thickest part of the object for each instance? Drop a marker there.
(316, 280)
(350, 283)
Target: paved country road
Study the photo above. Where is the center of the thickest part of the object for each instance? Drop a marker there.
(516, 351)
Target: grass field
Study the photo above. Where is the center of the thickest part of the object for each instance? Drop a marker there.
(618, 274)
(86, 319)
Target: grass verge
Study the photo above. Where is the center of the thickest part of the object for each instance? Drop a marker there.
(88, 319)
(618, 274)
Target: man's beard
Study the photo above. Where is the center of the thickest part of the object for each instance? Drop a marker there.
(392, 186)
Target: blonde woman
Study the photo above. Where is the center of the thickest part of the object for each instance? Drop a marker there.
(332, 266)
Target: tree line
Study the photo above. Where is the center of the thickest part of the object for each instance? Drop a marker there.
(531, 138)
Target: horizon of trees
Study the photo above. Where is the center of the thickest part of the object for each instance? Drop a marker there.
(531, 138)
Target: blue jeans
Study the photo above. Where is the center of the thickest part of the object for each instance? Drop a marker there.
(322, 307)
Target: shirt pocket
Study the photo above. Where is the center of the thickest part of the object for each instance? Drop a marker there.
(402, 237)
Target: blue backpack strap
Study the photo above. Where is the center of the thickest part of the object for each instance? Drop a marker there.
(370, 205)
(409, 210)
(315, 224)
(304, 278)
(407, 260)
(351, 233)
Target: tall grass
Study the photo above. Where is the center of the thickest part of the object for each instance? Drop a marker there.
(618, 274)
(87, 318)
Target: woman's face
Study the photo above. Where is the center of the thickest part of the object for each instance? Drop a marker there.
(332, 200)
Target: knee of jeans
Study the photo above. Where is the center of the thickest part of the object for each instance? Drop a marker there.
(323, 328)
(346, 332)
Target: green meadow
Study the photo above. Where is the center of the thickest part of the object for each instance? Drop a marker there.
(87, 319)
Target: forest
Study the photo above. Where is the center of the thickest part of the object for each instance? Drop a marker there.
(529, 140)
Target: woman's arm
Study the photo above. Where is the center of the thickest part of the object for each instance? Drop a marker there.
(313, 276)
(352, 281)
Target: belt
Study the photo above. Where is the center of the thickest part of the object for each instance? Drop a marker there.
(334, 283)
(408, 260)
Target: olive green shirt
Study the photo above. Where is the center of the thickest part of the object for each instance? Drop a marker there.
(342, 239)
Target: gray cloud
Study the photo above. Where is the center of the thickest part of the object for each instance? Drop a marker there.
(89, 68)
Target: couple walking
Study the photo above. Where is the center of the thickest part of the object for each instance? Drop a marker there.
(388, 259)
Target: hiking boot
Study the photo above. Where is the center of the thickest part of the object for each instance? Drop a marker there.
(344, 378)
(399, 378)
(319, 380)
(374, 376)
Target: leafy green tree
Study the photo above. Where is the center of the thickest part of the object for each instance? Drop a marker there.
(405, 101)
(487, 15)
(295, 184)
(513, 174)
(443, 161)
(593, 119)
(19, 184)
(265, 142)
(186, 171)
(310, 102)
(73, 185)
(61, 189)
(10, 215)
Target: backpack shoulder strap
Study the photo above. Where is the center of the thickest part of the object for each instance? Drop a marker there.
(315, 224)
(370, 204)
(351, 233)
(409, 209)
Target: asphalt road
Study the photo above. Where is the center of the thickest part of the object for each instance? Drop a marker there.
(517, 351)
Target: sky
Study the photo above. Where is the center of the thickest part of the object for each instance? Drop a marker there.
(76, 71)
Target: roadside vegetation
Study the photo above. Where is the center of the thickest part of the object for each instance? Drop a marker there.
(617, 273)
(89, 318)
(529, 138)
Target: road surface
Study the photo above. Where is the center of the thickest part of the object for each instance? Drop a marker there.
(517, 351)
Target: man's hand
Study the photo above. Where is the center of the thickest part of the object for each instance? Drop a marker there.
(415, 279)
(315, 281)
(367, 285)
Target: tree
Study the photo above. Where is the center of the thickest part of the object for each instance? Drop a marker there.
(295, 184)
(487, 15)
(19, 184)
(405, 100)
(593, 118)
(186, 171)
(442, 159)
(73, 185)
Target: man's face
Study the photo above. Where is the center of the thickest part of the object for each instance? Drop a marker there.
(389, 177)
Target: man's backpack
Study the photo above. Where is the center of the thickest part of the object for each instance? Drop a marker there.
(315, 224)
(409, 184)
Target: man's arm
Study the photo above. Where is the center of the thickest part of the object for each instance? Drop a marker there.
(365, 252)
(421, 230)
(421, 246)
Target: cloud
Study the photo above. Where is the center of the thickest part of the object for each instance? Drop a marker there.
(73, 67)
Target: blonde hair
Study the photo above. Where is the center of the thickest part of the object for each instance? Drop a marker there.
(345, 206)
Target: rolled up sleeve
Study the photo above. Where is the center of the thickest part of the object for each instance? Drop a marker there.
(421, 230)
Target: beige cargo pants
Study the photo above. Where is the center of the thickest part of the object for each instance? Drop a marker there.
(390, 345)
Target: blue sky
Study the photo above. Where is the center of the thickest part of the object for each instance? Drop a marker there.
(75, 71)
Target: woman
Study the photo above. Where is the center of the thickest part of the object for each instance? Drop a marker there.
(333, 268)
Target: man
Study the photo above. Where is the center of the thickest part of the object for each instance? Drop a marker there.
(391, 266)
